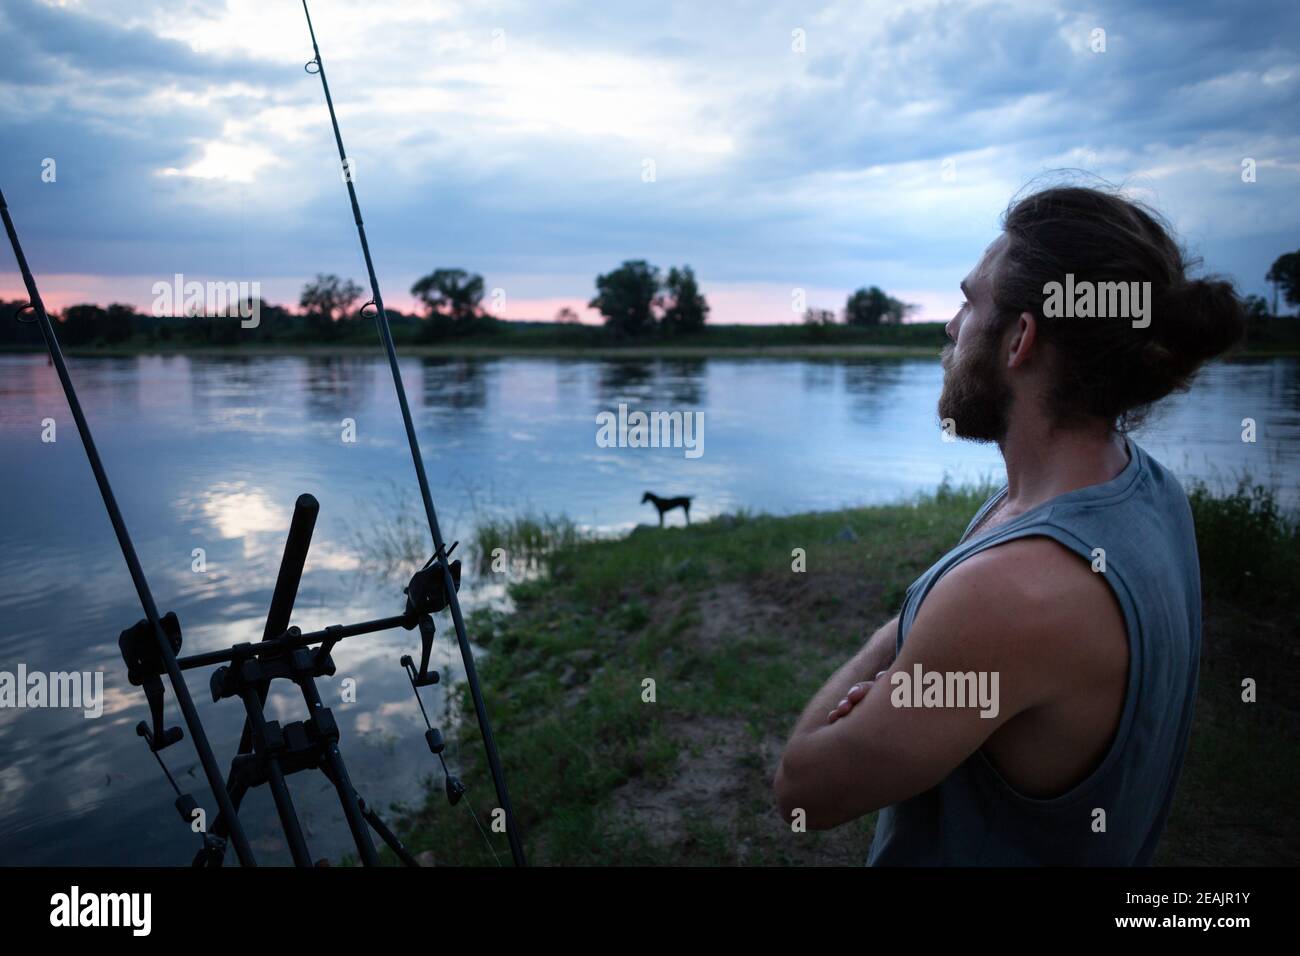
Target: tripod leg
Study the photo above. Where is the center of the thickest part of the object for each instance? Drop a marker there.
(220, 828)
(275, 778)
(387, 835)
(338, 774)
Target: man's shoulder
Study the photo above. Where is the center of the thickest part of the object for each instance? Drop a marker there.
(1028, 596)
(1034, 571)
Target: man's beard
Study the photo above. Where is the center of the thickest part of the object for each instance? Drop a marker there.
(975, 394)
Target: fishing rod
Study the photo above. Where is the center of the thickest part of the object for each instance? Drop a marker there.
(440, 553)
(269, 752)
(153, 646)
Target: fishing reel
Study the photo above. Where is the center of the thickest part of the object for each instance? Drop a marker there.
(144, 668)
(426, 595)
(427, 592)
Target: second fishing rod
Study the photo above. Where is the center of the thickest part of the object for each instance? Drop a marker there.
(156, 645)
(317, 66)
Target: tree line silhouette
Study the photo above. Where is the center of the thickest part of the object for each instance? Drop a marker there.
(636, 300)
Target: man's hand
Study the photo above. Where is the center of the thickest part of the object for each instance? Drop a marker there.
(855, 694)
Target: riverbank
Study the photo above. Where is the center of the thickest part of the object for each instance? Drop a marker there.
(813, 352)
(735, 643)
(479, 351)
(1267, 338)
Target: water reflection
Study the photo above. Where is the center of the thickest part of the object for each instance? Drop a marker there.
(820, 376)
(337, 386)
(623, 381)
(675, 383)
(682, 382)
(454, 384)
(872, 387)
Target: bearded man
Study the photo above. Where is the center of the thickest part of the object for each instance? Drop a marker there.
(1075, 591)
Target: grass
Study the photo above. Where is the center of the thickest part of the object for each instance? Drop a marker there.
(1236, 801)
(522, 542)
(710, 623)
(1248, 545)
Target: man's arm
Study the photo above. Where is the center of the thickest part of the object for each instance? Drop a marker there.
(1003, 611)
(876, 655)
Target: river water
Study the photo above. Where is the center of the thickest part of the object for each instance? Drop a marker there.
(208, 454)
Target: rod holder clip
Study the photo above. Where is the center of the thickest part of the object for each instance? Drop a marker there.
(144, 668)
(422, 677)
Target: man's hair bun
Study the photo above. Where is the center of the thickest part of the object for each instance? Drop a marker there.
(1110, 367)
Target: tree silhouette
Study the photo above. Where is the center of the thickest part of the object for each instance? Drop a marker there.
(1256, 307)
(119, 324)
(327, 300)
(627, 297)
(450, 293)
(685, 308)
(1285, 273)
(82, 324)
(819, 317)
(872, 307)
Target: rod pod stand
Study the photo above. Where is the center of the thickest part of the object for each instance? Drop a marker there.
(269, 752)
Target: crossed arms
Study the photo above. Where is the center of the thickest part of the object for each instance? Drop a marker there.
(1013, 610)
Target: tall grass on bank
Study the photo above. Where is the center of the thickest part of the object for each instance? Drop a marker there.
(1248, 545)
(524, 541)
(390, 537)
(1236, 800)
(385, 533)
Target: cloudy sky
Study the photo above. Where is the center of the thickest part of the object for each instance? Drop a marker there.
(793, 146)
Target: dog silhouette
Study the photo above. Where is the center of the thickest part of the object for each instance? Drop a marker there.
(668, 504)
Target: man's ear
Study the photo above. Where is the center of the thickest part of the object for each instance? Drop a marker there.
(1024, 333)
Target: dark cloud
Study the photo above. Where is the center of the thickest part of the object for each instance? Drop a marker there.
(1179, 85)
(77, 41)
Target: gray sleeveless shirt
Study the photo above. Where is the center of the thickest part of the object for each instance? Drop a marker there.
(1142, 522)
